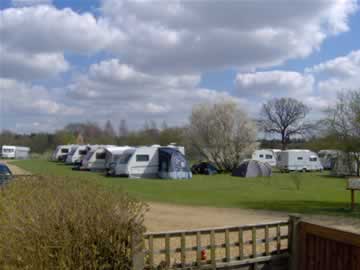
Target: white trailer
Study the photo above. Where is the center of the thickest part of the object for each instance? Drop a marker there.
(61, 152)
(76, 154)
(298, 160)
(15, 152)
(266, 155)
(141, 162)
(113, 153)
(95, 158)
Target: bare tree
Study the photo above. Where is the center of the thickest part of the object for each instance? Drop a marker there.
(285, 117)
(222, 133)
(109, 129)
(343, 125)
(123, 128)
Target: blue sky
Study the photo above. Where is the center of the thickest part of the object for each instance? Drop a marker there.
(141, 60)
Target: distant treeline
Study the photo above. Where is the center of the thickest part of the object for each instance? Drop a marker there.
(92, 133)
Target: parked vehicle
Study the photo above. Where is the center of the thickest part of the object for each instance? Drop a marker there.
(266, 155)
(298, 160)
(15, 152)
(152, 162)
(76, 154)
(5, 174)
(61, 152)
(328, 158)
(95, 159)
(112, 154)
(204, 168)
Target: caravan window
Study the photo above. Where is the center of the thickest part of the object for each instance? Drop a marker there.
(300, 158)
(268, 156)
(314, 159)
(82, 152)
(124, 159)
(142, 158)
(8, 150)
(261, 156)
(64, 151)
(100, 155)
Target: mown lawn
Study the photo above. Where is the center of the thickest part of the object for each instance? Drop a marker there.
(318, 193)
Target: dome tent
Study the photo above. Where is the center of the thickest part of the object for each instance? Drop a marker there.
(252, 168)
(173, 164)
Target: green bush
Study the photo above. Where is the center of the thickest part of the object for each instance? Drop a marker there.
(58, 223)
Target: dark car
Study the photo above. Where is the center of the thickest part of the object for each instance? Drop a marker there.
(204, 168)
(5, 174)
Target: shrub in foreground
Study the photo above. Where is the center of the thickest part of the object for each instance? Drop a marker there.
(57, 223)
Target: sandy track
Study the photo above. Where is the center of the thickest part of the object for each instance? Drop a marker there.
(15, 169)
(165, 217)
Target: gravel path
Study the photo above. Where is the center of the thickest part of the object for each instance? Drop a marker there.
(164, 217)
(15, 169)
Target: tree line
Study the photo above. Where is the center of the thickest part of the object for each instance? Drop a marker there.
(223, 133)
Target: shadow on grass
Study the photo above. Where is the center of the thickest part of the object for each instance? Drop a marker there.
(306, 207)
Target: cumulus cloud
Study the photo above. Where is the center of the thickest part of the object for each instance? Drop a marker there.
(340, 73)
(274, 84)
(28, 66)
(179, 36)
(123, 91)
(47, 29)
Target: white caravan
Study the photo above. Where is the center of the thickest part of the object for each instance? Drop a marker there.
(15, 152)
(95, 159)
(61, 152)
(266, 155)
(141, 162)
(113, 153)
(298, 160)
(76, 154)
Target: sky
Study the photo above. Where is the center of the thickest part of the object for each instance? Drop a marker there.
(64, 61)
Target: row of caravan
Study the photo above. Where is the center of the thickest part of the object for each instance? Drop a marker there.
(135, 162)
(290, 160)
(14, 152)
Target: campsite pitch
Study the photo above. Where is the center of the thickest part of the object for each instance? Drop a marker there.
(309, 193)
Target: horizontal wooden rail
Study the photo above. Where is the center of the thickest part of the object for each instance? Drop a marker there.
(217, 247)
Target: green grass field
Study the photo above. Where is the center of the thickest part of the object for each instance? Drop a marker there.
(318, 193)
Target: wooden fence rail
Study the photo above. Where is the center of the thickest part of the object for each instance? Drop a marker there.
(251, 246)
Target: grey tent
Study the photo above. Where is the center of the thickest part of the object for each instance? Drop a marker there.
(252, 168)
(173, 164)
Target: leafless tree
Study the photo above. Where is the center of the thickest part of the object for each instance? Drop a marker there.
(285, 117)
(222, 133)
(343, 124)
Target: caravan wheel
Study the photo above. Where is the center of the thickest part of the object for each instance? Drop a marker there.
(304, 170)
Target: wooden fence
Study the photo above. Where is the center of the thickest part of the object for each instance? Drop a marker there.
(256, 246)
(322, 248)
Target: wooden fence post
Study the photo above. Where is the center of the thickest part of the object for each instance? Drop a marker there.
(137, 251)
(294, 221)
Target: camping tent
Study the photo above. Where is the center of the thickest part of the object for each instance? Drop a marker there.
(173, 164)
(252, 168)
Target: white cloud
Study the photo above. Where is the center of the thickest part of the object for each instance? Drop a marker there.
(28, 66)
(46, 29)
(341, 73)
(273, 84)
(183, 36)
(118, 91)
(340, 67)
(28, 3)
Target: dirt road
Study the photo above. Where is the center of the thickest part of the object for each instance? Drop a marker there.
(15, 169)
(163, 217)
